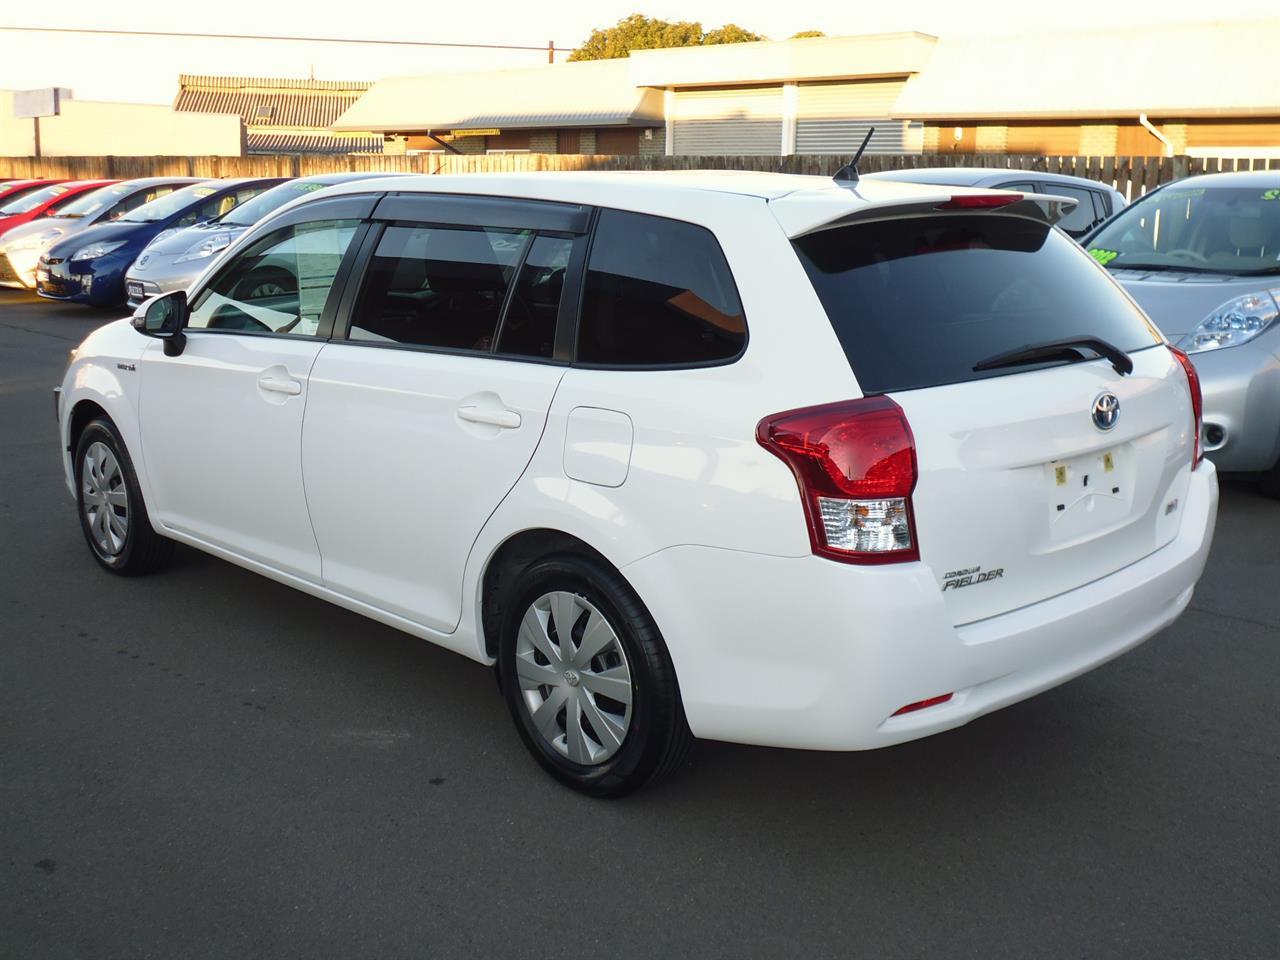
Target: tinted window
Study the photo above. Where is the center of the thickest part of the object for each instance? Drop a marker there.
(658, 292)
(437, 286)
(1080, 220)
(919, 302)
(278, 284)
(529, 325)
(1021, 187)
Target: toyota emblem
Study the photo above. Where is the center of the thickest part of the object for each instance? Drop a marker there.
(1106, 411)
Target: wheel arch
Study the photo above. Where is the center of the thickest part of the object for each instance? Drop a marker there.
(82, 414)
(510, 558)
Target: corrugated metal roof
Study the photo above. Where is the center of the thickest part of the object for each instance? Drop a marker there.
(1169, 70)
(593, 93)
(310, 143)
(267, 101)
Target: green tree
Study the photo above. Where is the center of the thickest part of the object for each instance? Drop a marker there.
(638, 32)
(807, 33)
(730, 33)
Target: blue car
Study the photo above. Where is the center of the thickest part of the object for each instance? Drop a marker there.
(89, 267)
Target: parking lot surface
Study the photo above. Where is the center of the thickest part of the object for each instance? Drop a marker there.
(204, 763)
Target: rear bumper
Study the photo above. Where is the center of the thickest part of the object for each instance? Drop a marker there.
(807, 653)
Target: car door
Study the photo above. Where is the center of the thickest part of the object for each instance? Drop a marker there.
(221, 423)
(423, 416)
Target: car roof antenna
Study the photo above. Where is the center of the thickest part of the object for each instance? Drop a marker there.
(849, 172)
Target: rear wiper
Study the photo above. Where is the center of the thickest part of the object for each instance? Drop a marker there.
(1069, 349)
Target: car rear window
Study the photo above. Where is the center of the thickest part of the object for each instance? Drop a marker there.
(918, 302)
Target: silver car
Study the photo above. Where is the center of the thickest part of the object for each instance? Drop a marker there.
(1202, 258)
(174, 259)
(1095, 202)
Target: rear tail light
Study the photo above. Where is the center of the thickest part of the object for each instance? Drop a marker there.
(855, 462)
(1197, 402)
(979, 201)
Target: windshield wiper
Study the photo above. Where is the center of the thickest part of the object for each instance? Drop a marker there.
(1069, 349)
(1165, 267)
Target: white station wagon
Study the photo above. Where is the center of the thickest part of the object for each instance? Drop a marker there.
(769, 459)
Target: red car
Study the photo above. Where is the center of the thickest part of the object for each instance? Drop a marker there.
(39, 198)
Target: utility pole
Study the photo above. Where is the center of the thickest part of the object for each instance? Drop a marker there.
(551, 51)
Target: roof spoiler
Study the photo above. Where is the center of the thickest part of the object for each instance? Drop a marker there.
(1042, 207)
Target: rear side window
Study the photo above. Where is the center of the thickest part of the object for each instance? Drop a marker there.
(658, 292)
(529, 325)
(918, 302)
(438, 287)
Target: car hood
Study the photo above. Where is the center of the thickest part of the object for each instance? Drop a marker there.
(179, 243)
(1177, 302)
(55, 228)
(105, 233)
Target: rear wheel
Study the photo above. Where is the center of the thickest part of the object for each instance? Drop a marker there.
(588, 679)
(113, 516)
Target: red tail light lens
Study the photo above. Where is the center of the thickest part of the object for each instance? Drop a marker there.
(979, 201)
(1197, 402)
(855, 462)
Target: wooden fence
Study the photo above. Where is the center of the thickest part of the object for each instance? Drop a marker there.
(1132, 176)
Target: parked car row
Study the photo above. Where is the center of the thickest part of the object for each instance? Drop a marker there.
(105, 243)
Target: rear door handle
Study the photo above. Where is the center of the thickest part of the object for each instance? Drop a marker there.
(276, 385)
(502, 417)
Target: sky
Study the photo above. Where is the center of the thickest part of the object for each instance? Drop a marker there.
(145, 70)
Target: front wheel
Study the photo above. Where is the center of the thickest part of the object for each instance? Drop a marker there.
(588, 679)
(113, 516)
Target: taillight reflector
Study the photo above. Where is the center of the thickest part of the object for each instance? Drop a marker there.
(1197, 402)
(855, 463)
(979, 201)
(921, 704)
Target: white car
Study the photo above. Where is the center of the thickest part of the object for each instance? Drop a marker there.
(760, 458)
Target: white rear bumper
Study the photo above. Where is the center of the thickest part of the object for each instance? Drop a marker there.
(808, 653)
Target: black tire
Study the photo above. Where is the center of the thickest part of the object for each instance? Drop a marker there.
(142, 550)
(658, 738)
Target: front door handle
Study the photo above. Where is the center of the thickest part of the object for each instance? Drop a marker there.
(277, 385)
(502, 417)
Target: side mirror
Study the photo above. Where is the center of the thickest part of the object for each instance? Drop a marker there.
(163, 317)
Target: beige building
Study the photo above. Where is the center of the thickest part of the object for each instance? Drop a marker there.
(86, 128)
(1199, 88)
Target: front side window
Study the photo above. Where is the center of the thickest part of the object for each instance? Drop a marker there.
(279, 284)
(441, 287)
(1196, 229)
(658, 292)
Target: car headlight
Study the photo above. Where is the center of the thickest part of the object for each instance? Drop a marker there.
(215, 244)
(162, 236)
(95, 250)
(1235, 322)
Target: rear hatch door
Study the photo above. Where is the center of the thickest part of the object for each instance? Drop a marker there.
(1034, 478)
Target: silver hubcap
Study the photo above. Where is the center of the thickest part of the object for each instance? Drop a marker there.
(574, 677)
(105, 502)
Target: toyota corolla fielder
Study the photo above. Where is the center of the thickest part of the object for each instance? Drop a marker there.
(768, 459)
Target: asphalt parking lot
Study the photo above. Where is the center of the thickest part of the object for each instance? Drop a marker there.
(204, 763)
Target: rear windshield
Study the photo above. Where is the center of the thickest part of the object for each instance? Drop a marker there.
(918, 302)
(1197, 230)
